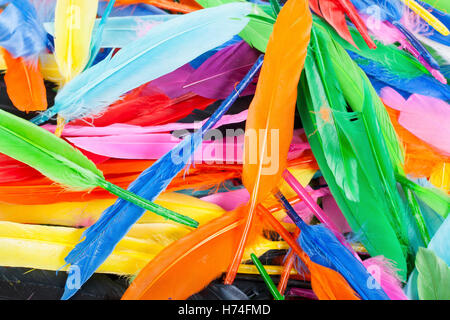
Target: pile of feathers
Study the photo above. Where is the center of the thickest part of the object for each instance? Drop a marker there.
(225, 149)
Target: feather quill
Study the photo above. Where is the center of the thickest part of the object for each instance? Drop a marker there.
(271, 113)
(24, 84)
(103, 84)
(59, 161)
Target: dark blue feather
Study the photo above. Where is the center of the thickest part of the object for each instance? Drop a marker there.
(101, 238)
(322, 246)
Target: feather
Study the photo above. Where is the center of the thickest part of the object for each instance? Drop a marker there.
(427, 16)
(333, 11)
(221, 72)
(59, 161)
(44, 247)
(419, 114)
(268, 281)
(92, 91)
(325, 117)
(24, 84)
(74, 22)
(117, 219)
(326, 283)
(323, 248)
(386, 275)
(201, 257)
(272, 110)
(84, 214)
(433, 281)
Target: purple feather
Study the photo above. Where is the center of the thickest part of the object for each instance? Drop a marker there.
(221, 72)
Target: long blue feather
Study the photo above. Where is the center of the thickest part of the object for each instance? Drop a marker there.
(423, 84)
(322, 246)
(21, 32)
(113, 225)
(443, 17)
(163, 49)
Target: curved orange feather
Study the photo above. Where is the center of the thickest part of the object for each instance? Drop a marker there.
(190, 263)
(270, 120)
(24, 84)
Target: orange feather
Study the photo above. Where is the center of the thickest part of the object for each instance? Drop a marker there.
(190, 263)
(24, 84)
(270, 121)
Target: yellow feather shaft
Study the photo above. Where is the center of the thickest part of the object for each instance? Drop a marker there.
(74, 22)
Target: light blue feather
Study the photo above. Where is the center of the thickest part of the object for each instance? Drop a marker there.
(163, 49)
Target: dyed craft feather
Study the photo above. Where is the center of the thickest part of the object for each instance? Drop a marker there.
(326, 283)
(60, 162)
(271, 113)
(201, 256)
(323, 248)
(117, 219)
(74, 22)
(103, 84)
(334, 11)
(24, 84)
(23, 39)
(337, 144)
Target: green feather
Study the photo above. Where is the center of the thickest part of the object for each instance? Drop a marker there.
(258, 29)
(433, 279)
(353, 149)
(62, 163)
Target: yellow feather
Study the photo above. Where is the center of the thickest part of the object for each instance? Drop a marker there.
(44, 247)
(74, 22)
(86, 213)
(427, 16)
(272, 270)
(49, 69)
(440, 176)
(2, 61)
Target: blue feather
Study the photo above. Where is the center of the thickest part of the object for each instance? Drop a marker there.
(443, 17)
(324, 248)
(21, 32)
(113, 225)
(423, 84)
(163, 49)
